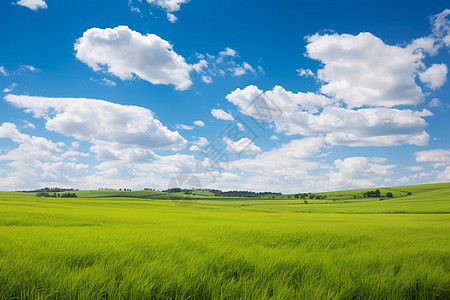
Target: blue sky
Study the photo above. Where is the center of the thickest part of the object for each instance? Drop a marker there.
(129, 94)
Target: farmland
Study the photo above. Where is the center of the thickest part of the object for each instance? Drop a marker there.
(139, 245)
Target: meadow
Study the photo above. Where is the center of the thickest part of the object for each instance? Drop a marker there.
(140, 245)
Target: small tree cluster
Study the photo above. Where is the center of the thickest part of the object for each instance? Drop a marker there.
(69, 195)
(375, 193)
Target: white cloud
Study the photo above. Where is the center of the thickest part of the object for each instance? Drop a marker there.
(305, 72)
(243, 69)
(3, 71)
(244, 145)
(110, 127)
(228, 52)
(194, 148)
(439, 156)
(444, 176)
(362, 172)
(108, 82)
(199, 123)
(274, 138)
(10, 88)
(169, 6)
(201, 142)
(285, 168)
(28, 124)
(415, 168)
(220, 114)
(441, 27)
(35, 160)
(364, 71)
(28, 68)
(309, 114)
(171, 17)
(124, 53)
(434, 102)
(207, 79)
(184, 127)
(34, 5)
(435, 76)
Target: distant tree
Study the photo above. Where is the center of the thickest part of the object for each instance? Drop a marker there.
(389, 194)
(311, 196)
(306, 201)
(296, 196)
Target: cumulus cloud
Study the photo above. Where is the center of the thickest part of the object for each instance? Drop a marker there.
(220, 114)
(194, 148)
(438, 156)
(362, 172)
(34, 160)
(199, 123)
(309, 114)
(435, 76)
(305, 72)
(285, 167)
(201, 142)
(34, 5)
(243, 69)
(243, 145)
(109, 126)
(362, 70)
(228, 52)
(127, 53)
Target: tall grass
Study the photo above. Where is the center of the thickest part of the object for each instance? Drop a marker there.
(121, 248)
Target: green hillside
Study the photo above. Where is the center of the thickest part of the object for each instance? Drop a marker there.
(143, 245)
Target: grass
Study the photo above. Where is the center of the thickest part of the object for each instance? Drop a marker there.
(138, 245)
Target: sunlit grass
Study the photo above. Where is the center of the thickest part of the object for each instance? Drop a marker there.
(132, 248)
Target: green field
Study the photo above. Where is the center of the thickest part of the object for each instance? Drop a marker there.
(139, 245)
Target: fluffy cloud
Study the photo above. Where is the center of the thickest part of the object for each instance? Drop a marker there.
(220, 114)
(225, 62)
(362, 172)
(102, 123)
(33, 4)
(244, 145)
(228, 52)
(435, 76)
(199, 123)
(35, 160)
(309, 114)
(202, 142)
(286, 161)
(363, 71)
(124, 53)
(305, 73)
(439, 156)
(243, 69)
